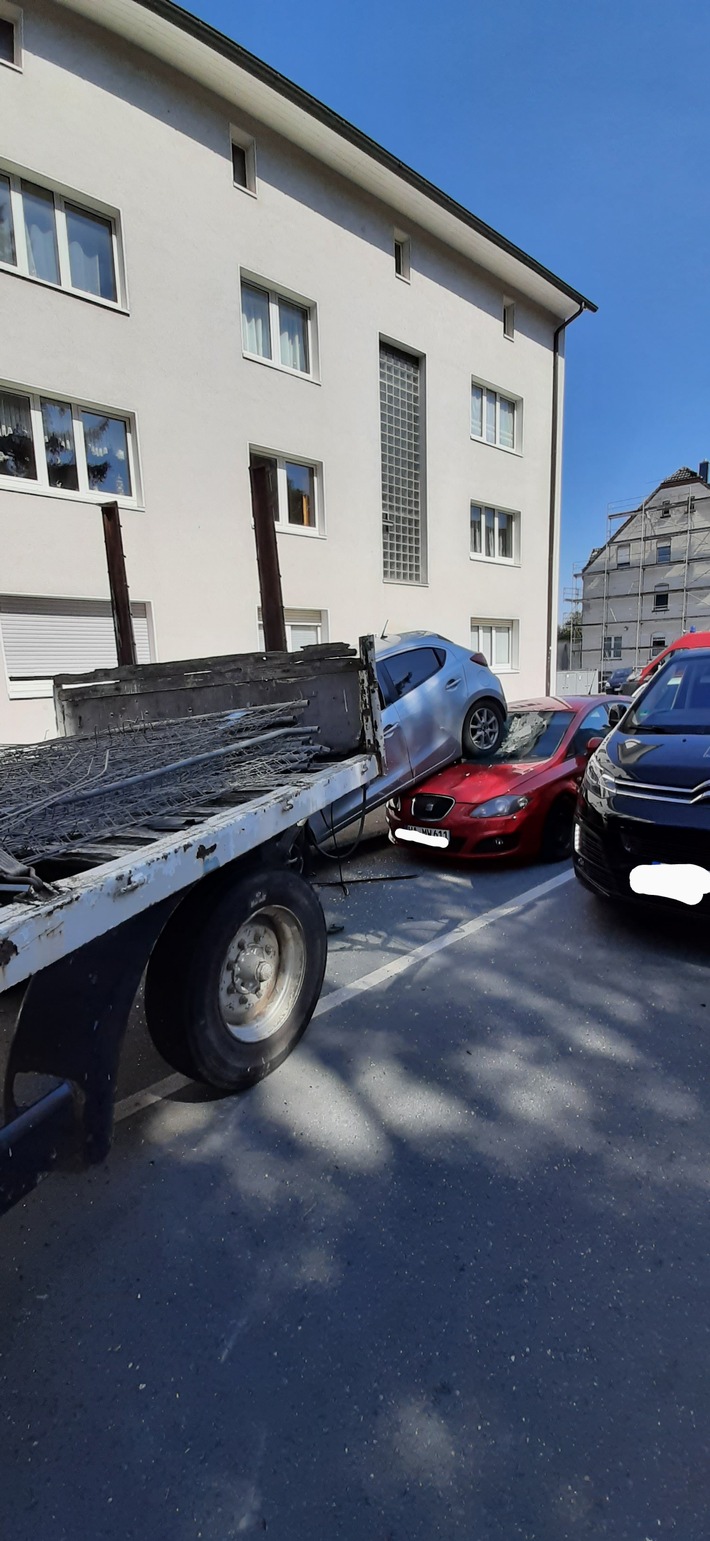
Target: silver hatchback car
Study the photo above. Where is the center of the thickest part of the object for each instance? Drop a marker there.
(439, 702)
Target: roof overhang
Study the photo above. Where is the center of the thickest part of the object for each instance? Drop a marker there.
(222, 66)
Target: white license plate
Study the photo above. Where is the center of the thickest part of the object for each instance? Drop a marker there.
(421, 836)
(671, 880)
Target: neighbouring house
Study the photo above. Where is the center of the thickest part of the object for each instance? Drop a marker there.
(203, 268)
(650, 582)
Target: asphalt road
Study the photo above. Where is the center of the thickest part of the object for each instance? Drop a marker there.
(444, 1275)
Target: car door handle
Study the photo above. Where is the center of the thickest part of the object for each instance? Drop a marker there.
(390, 729)
(451, 683)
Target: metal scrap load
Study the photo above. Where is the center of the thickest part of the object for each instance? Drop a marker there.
(56, 795)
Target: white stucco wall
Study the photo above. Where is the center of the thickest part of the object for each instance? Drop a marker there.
(97, 116)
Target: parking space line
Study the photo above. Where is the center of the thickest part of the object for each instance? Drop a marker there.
(152, 1094)
(174, 1083)
(467, 928)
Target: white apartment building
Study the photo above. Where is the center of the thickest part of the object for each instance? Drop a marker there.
(202, 266)
(650, 582)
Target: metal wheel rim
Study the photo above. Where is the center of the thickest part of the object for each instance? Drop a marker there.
(483, 727)
(262, 974)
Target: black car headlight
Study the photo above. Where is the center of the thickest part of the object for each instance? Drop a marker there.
(500, 808)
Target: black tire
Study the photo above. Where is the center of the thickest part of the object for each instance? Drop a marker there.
(558, 832)
(482, 730)
(203, 1017)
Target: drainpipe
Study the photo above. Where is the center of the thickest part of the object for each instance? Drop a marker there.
(551, 630)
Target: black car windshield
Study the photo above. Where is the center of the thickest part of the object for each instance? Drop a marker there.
(678, 701)
(532, 735)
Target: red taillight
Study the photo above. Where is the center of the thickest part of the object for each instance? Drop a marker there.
(480, 658)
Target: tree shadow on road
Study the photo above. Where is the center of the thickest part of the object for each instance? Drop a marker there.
(443, 1275)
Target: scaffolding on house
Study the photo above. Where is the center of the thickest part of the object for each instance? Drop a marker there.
(652, 528)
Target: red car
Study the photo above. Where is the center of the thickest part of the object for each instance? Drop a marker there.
(689, 640)
(521, 800)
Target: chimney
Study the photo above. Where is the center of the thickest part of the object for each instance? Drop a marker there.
(704, 470)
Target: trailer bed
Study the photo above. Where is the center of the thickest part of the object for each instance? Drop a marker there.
(143, 868)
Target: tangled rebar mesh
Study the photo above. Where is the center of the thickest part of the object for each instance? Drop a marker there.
(68, 791)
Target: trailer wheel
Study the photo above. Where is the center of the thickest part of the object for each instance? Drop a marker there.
(233, 983)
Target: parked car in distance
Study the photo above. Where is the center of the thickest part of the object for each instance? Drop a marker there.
(645, 796)
(640, 676)
(438, 701)
(618, 681)
(520, 800)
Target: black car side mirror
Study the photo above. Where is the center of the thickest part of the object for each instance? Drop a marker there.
(616, 712)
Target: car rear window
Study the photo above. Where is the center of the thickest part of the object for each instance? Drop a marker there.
(410, 669)
(532, 735)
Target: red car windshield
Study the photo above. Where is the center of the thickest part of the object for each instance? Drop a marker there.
(532, 735)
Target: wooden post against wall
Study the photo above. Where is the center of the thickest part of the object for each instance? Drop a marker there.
(263, 502)
(118, 584)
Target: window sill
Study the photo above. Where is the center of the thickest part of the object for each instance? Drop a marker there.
(408, 583)
(86, 499)
(296, 529)
(502, 447)
(251, 192)
(282, 369)
(30, 690)
(7, 64)
(74, 294)
(494, 561)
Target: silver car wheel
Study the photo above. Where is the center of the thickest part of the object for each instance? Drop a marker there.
(484, 727)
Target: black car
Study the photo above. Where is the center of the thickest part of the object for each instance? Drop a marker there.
(618, 681)
(645, 796)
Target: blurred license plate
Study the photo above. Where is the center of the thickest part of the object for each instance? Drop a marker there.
(423, 836)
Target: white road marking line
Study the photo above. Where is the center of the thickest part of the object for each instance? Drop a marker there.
(467, 928)
(175, 1083)
(156, 1093)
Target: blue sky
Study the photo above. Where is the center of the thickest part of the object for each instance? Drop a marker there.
(580, 130)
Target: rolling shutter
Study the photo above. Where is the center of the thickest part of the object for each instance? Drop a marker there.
(44, 637)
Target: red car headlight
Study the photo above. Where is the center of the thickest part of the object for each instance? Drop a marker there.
(500, 808)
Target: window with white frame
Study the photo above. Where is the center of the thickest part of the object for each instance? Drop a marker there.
(663, 551)
(297, 497)
(48, 235)
(494, 533)
(623, 554)
(612, 646)
(276, 329)
(402, 262)
(660, 596)
(50, 444)
(495, 418)
(10, 35)
(304, 628)
(497, 641)
(243, 161)
(43, 637)
(509, 320)
(657, 644)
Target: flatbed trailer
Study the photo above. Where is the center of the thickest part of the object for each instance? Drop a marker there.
(213, 911)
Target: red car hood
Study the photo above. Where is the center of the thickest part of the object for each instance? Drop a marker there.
(471, 783)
